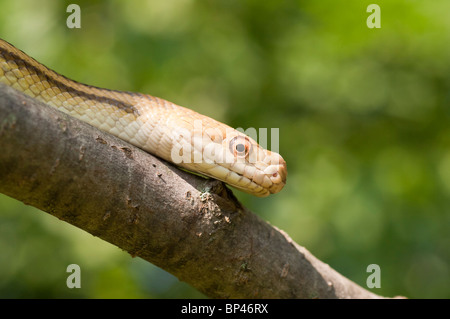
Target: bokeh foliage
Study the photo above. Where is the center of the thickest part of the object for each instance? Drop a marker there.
(363, 115)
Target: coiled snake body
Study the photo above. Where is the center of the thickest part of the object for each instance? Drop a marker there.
(177, 134)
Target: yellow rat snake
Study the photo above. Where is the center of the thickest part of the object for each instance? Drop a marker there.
(174, 133)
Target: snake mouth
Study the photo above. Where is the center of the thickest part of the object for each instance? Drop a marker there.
(263, 182)
(267, 176)
(269, 180)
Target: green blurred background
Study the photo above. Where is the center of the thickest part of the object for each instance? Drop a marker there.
(363, 115)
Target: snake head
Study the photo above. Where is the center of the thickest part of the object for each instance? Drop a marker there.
(261, 172)
(216, 150)
(241, 162)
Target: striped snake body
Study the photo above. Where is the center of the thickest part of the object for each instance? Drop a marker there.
(174, 133)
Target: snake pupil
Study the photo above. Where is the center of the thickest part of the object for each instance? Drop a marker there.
(240, 148)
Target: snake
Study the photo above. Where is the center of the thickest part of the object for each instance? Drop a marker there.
(190, 140)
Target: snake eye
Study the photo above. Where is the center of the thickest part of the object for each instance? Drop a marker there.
(240, 146)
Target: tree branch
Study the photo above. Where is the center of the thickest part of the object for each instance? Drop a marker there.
(191, 227)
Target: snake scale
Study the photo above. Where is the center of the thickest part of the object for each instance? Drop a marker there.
(174, 133)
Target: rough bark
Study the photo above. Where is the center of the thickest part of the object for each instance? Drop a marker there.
(191, 227)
